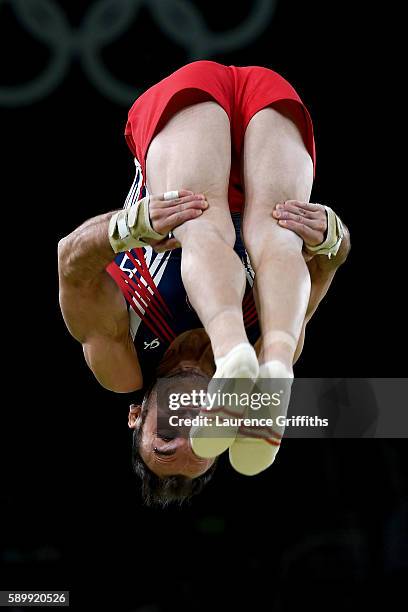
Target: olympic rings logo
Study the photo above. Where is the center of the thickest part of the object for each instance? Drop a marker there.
(104, 22)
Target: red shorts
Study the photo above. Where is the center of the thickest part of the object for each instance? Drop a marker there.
(241, 91)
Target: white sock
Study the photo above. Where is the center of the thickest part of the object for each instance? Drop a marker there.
(238, 365)
(240, 362)
(275, 369)
(249, 455)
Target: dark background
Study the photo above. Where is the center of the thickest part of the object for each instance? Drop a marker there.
(326, 526)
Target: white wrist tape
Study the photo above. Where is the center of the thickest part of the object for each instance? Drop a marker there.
(170, 195)
(131, 227)
(335, 233)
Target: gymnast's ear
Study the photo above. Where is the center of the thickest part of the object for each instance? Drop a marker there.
(135, 411)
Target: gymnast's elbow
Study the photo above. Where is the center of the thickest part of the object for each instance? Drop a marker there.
(119, 386)
(66, 258)
(75, 267)
(345, 247)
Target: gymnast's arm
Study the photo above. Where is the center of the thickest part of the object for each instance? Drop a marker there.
(322, 271)
(93, 306)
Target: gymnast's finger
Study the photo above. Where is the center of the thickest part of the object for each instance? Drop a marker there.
(171, 196)
(190, 200)
(292, 207)
(308, 206)
(317, 224)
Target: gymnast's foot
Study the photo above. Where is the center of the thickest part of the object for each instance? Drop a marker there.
(255, 448)
(235, 373)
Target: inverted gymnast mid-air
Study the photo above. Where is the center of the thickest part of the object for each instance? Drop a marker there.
(225, 162)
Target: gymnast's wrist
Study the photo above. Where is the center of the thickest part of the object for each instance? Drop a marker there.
(326, 264)
(333, 236)
(131, 227)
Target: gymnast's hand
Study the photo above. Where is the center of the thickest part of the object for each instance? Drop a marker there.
(165, 215)
(309, 221)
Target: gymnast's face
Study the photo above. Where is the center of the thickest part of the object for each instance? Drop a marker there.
(166, 453)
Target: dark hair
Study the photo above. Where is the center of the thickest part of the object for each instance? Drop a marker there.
(158, 491)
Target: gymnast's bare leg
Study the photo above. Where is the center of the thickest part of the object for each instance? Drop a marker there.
(276, 168)
(194, 150)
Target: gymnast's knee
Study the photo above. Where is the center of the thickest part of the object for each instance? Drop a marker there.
(205, 233)
(264, 238)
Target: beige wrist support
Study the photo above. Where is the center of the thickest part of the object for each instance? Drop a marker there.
(131, 227)
(335, 233)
